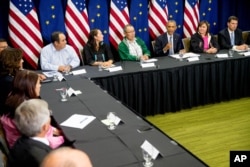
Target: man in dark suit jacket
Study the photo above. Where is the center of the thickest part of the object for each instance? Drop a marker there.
(248, 39)
(224, 36)
(163, 45)
(32, 118)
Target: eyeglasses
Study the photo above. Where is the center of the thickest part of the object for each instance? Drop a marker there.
(130, 32)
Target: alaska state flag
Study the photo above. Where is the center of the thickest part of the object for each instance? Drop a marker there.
(209, 12)
(98, 17)
(51, 18)
(138, 12)
(175, 12)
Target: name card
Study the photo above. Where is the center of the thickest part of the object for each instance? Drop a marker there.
(61, 78)
(150, 149)
(247, 54)
(146, 65)
(77, 72)
(106, 121)
(72, 92)
(222, 55)
(193, 59)
(116, 68)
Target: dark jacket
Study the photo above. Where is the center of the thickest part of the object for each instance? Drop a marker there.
(90, 55)
(197, 43)
(224, 38)
(162, 40)
(27, 152)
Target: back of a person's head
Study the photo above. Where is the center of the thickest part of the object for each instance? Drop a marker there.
(31, 115)
(10, 61)
(66, 157)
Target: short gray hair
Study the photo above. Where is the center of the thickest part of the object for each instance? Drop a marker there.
(31, 115)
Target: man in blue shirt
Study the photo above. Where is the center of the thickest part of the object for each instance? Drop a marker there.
(58, 55)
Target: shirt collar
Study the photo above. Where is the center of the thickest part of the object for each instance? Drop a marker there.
(41, 139)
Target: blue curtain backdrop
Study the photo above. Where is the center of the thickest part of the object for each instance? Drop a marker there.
(215, 12)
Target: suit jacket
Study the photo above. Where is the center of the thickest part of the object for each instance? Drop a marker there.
(27, 152)
(224, 38)
(197, 43)
(162, 40)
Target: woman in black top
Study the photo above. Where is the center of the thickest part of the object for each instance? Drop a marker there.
(96, 52)
(202, 41)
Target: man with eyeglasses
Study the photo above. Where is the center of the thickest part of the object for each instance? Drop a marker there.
(132, 48)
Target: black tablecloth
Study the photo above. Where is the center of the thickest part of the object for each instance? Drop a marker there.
(106, 148)
(173, 85)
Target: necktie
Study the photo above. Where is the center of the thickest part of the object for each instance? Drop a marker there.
(232, 38)
(171, 51)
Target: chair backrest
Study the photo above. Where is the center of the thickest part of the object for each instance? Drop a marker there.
(153, 45)
(82, 57)
(186, 43)
(245, 35)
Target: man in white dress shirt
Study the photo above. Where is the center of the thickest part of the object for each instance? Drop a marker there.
(58, 55)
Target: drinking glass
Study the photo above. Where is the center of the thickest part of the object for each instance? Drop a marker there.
(100, 67)
(55, 78)
(111, 117)
(181, 55)
(148, 159)
(230, 52)
(67, 70)
(63, 93)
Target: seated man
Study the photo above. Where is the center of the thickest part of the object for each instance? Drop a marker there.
(58, 55)
(32, 117)
(169, 42)
(66, 156)
(132, 48)
(231, 37)
(3, 44)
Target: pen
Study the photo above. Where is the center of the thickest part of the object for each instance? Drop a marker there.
(83, 120)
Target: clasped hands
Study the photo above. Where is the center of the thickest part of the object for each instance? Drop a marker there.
(64, 68)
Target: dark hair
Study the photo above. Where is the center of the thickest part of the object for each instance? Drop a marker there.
(232, 18)
(10, 61)
(201, 23)
(55, 36)
(91, 39)
(23, 88)
(3, 40)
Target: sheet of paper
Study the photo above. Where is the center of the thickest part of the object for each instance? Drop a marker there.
(78, 121)
(247, 54)
(150, 60)
(151, 150)
(78, 72)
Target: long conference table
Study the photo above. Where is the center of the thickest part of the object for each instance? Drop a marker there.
(135, 92)
(174, 85)
(106, 148)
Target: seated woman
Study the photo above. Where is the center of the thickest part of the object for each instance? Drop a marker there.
(202, 41)
(96, 52)
(26, 85)
(11, 62)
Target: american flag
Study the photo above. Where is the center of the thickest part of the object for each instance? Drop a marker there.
(191, 17)
(158, 17)
(119, 17)
(24, 30)
(77, 26)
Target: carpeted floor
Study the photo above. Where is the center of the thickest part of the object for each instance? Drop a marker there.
(210, 131)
